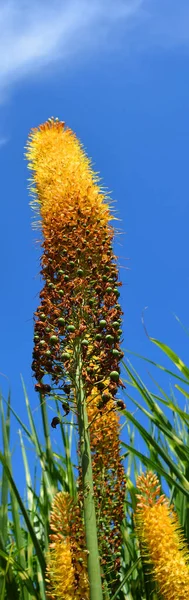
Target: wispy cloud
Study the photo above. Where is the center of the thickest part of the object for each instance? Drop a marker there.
(37, 33)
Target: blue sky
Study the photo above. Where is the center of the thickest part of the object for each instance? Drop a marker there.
(117, 73)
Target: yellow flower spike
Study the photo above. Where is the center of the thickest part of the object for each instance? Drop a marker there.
(161, 539)
(67, 558)
(62, 175)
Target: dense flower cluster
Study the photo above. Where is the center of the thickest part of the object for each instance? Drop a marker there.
(67, 557)
(161, 539)
(79, 300)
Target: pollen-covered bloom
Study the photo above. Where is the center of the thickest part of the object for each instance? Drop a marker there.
(67, 558)
(161, 539)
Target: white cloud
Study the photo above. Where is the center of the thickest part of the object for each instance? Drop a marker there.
(40, 32)
(36, 33)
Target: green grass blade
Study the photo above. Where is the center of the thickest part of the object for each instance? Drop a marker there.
(5, 486)
(173, 357)
(177, 445)
(47, 480)
(25, 580)
(150, 464)
(128, 574)
(25, 515)
(150, 442)
(157, 365)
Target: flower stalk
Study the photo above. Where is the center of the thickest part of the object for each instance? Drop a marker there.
(87, 486)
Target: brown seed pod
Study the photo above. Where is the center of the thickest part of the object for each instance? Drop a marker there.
(55, 421)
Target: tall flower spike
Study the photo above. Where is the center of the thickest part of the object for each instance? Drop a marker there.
(78, 323)
(66, 559)
(161, 539)
(79, 297)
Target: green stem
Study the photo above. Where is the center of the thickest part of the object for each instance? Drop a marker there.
(93, 562)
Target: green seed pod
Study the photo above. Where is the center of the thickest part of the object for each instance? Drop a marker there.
(80, 272)
(98, 337)
(60, 272)
(115, 324)
(65, 356)
(61, 321)
(42, 317)
(115, 352)
(71, 328)
(47, 329)
(72, 263)
(104, 277)
(36, 338)
(42, 343)
(53, 339)
(119, 332)
(50, 284)
(85, 342)
(109, 290)
(61, 292)
(48, 353)
(109, 338)
(114, 376)
(66, 277)
(116, 292)
(102, 323)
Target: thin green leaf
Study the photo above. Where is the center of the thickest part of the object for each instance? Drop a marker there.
(177, 361)
(128, 574)
(25, 514)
